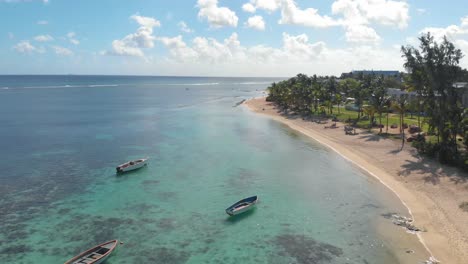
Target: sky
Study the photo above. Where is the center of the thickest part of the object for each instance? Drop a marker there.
(278, 38)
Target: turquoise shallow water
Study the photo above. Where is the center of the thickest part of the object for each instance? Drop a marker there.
(61, 141)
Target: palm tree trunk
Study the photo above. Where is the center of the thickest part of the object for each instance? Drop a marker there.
(386, 131)
(419, 115)
(380, 122)
(402, 130)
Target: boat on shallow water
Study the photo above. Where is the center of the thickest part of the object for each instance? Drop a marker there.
(95, 255)
(242, 206)
(132, 165)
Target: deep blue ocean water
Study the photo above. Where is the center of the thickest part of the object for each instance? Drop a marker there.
(62, 136)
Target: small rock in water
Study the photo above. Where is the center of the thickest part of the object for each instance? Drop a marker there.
(403, 221)
(239, 103)
(409, 251)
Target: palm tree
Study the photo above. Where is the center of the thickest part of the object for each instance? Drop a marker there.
(369, 110)
(338, 99)
(400, 105)
(379, 97)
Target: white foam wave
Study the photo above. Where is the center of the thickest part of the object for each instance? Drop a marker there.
(103, 85)
(69, 86)
(251, 83)
(190, 84)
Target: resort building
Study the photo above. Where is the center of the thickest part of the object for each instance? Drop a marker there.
(370, 72)
(394, 92)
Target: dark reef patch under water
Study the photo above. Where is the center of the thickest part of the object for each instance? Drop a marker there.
(306, 250)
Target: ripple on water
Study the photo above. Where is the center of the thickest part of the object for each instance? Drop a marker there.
(162, 255)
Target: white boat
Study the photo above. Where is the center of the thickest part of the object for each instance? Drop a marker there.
(95, 255)
(132, 165)
(242, 206)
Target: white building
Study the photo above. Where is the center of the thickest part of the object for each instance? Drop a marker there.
(394, 92)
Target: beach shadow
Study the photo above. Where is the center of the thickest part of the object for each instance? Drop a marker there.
(237, 218)
(371, 137)
(396, 151)
(291, 116)
(432, 171)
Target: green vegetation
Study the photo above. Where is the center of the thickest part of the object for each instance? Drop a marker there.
(362, 100)
(464, 206)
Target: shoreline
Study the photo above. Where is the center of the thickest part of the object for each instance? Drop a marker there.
(430, 192)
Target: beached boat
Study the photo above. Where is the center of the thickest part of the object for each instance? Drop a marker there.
(95, 255)
(242, 206)
(132, 165)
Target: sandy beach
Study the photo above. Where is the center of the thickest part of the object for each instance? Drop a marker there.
(431, 192)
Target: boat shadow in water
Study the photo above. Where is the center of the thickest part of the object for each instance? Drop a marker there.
(128, 173)
(237, 218)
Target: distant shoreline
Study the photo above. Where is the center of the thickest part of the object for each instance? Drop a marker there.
(432, 206)
(144, 75)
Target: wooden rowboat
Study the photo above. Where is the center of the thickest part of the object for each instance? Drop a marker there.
(95, 255)
(242, 206)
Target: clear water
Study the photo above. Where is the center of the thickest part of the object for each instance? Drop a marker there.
(62, 136)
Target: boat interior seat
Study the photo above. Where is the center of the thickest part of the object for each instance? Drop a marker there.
(102, 251)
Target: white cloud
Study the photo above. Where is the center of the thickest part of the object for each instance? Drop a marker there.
(216, 16)
(361, 34)
(421, 11)
(358, 15)
(452, 32)
(255, 22)
(268, 5)
(43, 38)
(71, 37)
(208, 56)
(179, 49)
(146, 22)
(26, 47)
(62, 51)
(202, 50)
(183, 27)
(355, 16)
(124, 48)
(384, 12)
(132, 44)
(42, 22)
(248, 7)
(299, 46)
(413, 41)
(291, 14)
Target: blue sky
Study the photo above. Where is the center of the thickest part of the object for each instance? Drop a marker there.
(219, 38)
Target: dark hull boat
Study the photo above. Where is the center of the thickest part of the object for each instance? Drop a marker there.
(242, 206)
(95, 255)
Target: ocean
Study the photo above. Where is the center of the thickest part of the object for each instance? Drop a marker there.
(61, 138)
